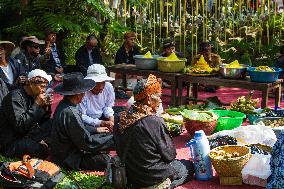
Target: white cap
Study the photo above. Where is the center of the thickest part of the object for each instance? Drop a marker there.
(97, 73)
(39, 73)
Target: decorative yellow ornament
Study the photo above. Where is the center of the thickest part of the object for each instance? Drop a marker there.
(148, 55)
(234, 64)
(172, 57)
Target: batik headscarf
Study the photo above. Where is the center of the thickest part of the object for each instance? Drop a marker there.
(139, 110)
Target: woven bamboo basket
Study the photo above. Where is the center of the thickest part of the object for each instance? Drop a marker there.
(195, 125)
(171, 66)
(230, 167)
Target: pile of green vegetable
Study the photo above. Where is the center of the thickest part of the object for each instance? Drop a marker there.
(204, 116)
(245, 104)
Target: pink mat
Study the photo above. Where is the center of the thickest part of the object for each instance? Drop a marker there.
(226, 95)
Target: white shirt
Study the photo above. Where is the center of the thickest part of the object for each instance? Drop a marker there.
(8, 73)
(90, 57)
(93, 106)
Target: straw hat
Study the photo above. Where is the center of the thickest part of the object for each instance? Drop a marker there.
(8, 45)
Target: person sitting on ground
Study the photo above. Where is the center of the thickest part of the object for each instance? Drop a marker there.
(169, 47)
(150, 161)
(11, 72)
(55, 64)
(75, 146)
(96, 106)
(88, 54)
(128, 50)
(30, 57)
(25, 123)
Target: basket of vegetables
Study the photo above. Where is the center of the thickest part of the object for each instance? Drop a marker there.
(173, 123)
(264, 74)
(199, 120)
(171, 63)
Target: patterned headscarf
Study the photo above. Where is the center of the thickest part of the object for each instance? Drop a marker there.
(138, 110)
(147, 87)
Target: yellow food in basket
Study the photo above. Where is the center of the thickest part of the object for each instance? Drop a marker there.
(172, 57)
(148, 55)
(264, 69)
(234, 64)
(202, 66)
(221, 154)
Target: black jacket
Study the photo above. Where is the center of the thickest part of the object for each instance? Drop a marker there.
(70, 138)
(20, 116)
(150, 152)
(83, 61)
(17, 70)
(3, 90)
(122, 57)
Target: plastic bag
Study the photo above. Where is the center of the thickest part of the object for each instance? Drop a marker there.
(257, 170)
(251, 134)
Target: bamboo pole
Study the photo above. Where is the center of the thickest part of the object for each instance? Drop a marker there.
(180, 25)
(154, 25)
(203, 21)
(184, 29)
(196, 34)
(192, 29)
(167, 19)
(206, 21)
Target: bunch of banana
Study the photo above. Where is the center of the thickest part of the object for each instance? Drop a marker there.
(244, 104)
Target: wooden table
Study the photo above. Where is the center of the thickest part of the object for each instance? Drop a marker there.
(244, 84)
(130, 69)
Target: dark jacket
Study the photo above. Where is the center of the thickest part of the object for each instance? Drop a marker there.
(3, 90)
(123, 57)
(70, 138)
(20, 116)
(83, 61)
(17, 70)
(30, 63)
(49, 65)
(150, 152)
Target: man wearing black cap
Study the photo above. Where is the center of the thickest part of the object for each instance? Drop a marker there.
(30, 57)
(74, 145)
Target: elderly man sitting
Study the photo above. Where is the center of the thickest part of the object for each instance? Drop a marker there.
(74, 146)
(25, 118)
(96, 106)
(150, 152)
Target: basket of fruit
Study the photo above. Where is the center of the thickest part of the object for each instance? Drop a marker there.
(146, 62)
(264, 74)
(228, 119)
(229, 160)
(234, 70)
(171, 63)
(199, 120)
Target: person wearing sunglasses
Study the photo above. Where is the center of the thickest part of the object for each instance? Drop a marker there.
(30, 57)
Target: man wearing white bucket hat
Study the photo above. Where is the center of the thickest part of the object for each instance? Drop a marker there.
(25, 123)
(96, 107)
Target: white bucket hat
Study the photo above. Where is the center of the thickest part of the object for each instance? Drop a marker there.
(97, 73)
(39, 73)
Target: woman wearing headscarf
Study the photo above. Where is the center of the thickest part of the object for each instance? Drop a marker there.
(10, 70)
(150, 157)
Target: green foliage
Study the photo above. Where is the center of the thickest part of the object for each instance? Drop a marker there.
(77, 180)
(73, 19)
